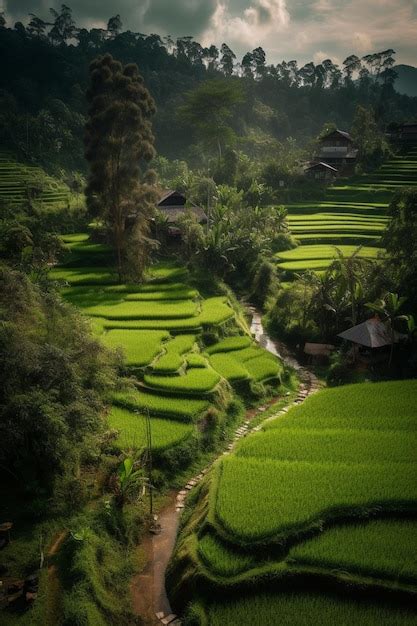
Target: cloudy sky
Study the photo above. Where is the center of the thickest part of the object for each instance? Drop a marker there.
(286, 29)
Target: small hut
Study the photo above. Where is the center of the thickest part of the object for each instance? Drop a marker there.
(372, 334)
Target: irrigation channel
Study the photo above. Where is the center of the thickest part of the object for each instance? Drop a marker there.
(150, 600)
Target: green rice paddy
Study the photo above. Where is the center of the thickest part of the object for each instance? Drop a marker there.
(305, 609)
(140, 347)
(132, 430)
(352, 213)
(383, 547)
(194, 380)
(17, 179)
(174, 407)
(325, 494)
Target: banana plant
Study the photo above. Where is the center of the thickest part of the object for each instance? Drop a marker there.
(128, 480)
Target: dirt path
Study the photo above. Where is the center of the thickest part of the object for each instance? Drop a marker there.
(53, 605)
(149, 597)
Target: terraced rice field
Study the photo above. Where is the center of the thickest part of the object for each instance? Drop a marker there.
(16, 180)
(321, 500)
(132, 430)
(352, 214)
(156, 328)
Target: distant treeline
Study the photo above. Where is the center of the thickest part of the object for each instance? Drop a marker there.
(44, 77)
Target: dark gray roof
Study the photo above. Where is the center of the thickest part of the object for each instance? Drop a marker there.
(342, 133)
(322, 164)
(373, 333)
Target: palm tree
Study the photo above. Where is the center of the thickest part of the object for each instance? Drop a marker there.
(388, 308)
(349, 270)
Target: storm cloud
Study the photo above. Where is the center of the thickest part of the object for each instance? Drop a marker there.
(301, 29)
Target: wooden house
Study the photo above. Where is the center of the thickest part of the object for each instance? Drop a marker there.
(337, 149)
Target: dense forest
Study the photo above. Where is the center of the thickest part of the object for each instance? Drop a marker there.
(45, 72)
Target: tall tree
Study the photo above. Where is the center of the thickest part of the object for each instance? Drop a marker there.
(350, 65)
(36, 26)
(400, 240)
(118, 143)
(227, 59)
(371, 143)
(114, 25)
(209, 108)
(63, 27)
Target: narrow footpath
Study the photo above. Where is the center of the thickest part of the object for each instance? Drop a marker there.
(149, 597)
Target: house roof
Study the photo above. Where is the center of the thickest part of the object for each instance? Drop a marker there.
(321, 164)
(373, 333)
(342, 133)
(166, 193)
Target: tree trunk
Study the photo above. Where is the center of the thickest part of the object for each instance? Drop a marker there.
(391, 352)
(118, 236)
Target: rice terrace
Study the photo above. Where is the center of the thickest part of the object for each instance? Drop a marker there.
(208, 337)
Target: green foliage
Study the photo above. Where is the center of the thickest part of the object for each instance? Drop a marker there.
(399, 240)
(208, 110)
(265, 282)
(94, 575)
(370, 406)
(54, 378)
(371, 142)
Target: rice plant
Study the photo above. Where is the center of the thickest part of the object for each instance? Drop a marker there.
(306, 609)
(382, 548)
(229, 344)
(261, 498)
(196, 380)
(132, 430)
(183, 409)
(139, 347)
